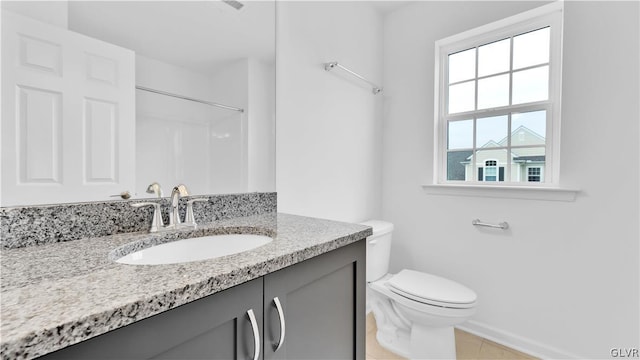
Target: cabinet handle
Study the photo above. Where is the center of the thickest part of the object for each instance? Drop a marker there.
(276, 301)
(256, 334)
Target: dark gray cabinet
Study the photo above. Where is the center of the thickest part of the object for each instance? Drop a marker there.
(322, 313)
(322, 307)
(214, 327)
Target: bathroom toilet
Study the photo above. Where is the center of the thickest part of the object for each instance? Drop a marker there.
(415, 312)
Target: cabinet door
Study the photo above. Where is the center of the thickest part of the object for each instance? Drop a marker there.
(68, 115)
(323, 307)
(215, 327)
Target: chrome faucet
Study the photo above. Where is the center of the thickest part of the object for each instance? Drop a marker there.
(174, 216)
(156, 223)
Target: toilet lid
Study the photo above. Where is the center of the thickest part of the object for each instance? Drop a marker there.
(431, 289)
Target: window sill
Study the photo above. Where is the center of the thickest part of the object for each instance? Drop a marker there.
(506, 192)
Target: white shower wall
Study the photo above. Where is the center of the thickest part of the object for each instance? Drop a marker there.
(211, 150)
(183, 142)
(249, 83)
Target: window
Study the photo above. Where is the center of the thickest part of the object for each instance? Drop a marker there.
(498, 101)
(491, 171)
(534, 174)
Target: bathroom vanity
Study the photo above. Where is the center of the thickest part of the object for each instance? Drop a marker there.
(318, 300)
(72, 300)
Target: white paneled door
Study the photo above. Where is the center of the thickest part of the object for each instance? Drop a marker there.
(68, 115)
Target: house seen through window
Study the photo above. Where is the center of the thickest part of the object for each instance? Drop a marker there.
(498, 99)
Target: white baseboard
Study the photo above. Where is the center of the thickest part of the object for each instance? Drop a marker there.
(515, 342)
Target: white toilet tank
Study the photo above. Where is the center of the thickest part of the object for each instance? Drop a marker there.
(378, 249)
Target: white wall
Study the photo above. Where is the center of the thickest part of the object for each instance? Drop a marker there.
(328, 139)
(261, 136)
(52, 12)
(564, 281)
(160, 75)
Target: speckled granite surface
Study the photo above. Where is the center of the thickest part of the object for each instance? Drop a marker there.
(59, 294)
(36, 225)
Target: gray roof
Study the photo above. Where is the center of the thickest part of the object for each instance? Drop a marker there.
(455, 168)
(532, 158)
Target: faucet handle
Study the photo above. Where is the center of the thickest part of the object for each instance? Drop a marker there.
(189, 218)
(156, 223)
(155, 188)
(182, 188)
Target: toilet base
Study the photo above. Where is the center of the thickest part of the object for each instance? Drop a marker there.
(396, 342)
(422, 343)
(432, 343)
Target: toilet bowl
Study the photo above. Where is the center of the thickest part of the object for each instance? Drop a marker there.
(415, 312)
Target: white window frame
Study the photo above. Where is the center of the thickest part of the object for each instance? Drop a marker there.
(548, 15)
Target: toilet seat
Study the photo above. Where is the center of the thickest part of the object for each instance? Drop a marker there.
(380, 286)
(431, 290)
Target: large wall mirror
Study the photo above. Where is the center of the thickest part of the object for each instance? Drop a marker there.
(105, 99)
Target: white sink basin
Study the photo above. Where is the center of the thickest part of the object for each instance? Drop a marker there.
(195, 249)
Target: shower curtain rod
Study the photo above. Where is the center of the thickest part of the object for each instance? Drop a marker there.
(189, 99)
(330, 65)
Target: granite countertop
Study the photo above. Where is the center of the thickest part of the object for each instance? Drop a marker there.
(59, 294)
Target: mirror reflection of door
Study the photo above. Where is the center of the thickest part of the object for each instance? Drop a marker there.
(202, 50)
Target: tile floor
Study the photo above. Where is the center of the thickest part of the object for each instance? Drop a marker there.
(468, 346)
